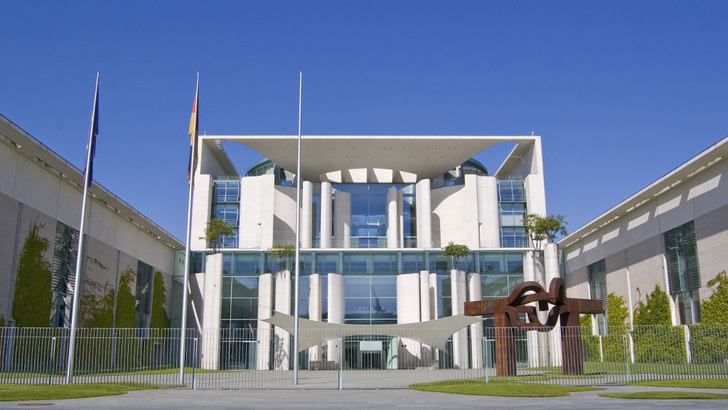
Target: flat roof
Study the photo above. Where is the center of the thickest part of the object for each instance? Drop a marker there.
(31, 148)
(696, 165)
(330, 157)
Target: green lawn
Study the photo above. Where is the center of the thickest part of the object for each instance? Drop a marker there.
(20, 392)
(478, 387)
(687, 383)
(667, 395)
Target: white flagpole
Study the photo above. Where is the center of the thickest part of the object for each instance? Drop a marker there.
(183, 324)
(298, 233)
(79, 256)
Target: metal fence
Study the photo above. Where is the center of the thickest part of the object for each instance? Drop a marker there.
(245, 359)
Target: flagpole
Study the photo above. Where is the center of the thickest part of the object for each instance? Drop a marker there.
(183, 324)
(79, 253)
(298, 232)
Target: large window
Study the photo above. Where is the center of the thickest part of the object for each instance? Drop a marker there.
(63, 272)
(512, 211)
(683, 271)
(226, 206)
(144, 281)
(598, 289)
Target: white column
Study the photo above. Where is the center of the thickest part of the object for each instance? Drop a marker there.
(392, 218)
(306, 216)
(425, 301)
(476, 330)
(489, 218)
(460, 338)
(265, 309)
(551, 269)
(408, 311)
(433, 296)
(342, 230)
(472, 219)
(282, 352)
(327, 215)
(336, 310)
(314, 310)
(210, 345)
(424, 214)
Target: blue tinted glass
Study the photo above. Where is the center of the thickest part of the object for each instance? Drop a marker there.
(413, 263)
(384, 263)
(491, 263)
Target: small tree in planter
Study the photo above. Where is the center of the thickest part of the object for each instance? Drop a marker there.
(284, 254)
(216, 230)
(455, 252)
(544, 228)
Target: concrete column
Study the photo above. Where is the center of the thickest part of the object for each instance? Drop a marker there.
(425, 301)
(488, 216)
(433, 296)
(265, 309)
(327, 215)
(392, 218)
(408, 311)
(472, 219)
(306, 216)
(424, 214)
(551, 271)
(282, 352)
(460, 338)
(476, 330)
(336, 309)
(210, 345)
(314, 310)
(342, 230)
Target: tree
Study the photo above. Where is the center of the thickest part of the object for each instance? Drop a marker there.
(216, 230)
(655, 311)
(284, 254)
(159, 319)
(33, 296)
(544, 228)
(456, 252)
(715, 309)
(125, 300)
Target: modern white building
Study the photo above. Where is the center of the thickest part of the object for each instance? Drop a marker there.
(376, 212)
(40, 213)
(673, 233)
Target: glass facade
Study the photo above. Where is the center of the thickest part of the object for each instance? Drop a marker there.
(226, 206)
(512, 210)
(598, 288)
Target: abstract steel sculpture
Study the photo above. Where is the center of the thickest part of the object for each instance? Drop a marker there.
(506, 318)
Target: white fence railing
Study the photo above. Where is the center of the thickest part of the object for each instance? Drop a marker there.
(244, 359)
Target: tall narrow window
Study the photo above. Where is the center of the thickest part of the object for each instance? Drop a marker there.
(512, 210)
(226, 206)
(598, 288)
(145, 277)
(683, 271)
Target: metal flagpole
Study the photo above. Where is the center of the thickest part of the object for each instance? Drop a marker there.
(185, 291)
(79, 255)
(298, 237)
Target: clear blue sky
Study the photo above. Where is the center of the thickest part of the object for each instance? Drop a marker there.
(621, 92)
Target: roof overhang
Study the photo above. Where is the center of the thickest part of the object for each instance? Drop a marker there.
(344, 158)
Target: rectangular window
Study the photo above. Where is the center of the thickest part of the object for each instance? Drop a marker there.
(226, 206)
(145, 278)
(683, 271)
(598, 289)
(512, 211)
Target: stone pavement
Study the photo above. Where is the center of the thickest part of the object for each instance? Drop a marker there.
(359, 399)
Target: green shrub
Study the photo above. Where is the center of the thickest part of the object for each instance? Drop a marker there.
(715, 309)
(33, 296)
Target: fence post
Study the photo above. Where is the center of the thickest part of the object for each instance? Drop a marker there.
(52, 357)
(341, 363)
(194, 362)
(626, 342)
(688, 349)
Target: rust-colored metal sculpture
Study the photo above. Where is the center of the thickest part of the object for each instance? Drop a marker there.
(506, 317)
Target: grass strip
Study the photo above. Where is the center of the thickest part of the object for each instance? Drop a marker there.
(21, 392)
(500, 389)
(687, 383)
(667, 395)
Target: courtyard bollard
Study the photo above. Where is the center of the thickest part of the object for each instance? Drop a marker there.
(52, 358)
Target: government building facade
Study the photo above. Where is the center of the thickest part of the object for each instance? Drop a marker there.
(376, 213)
